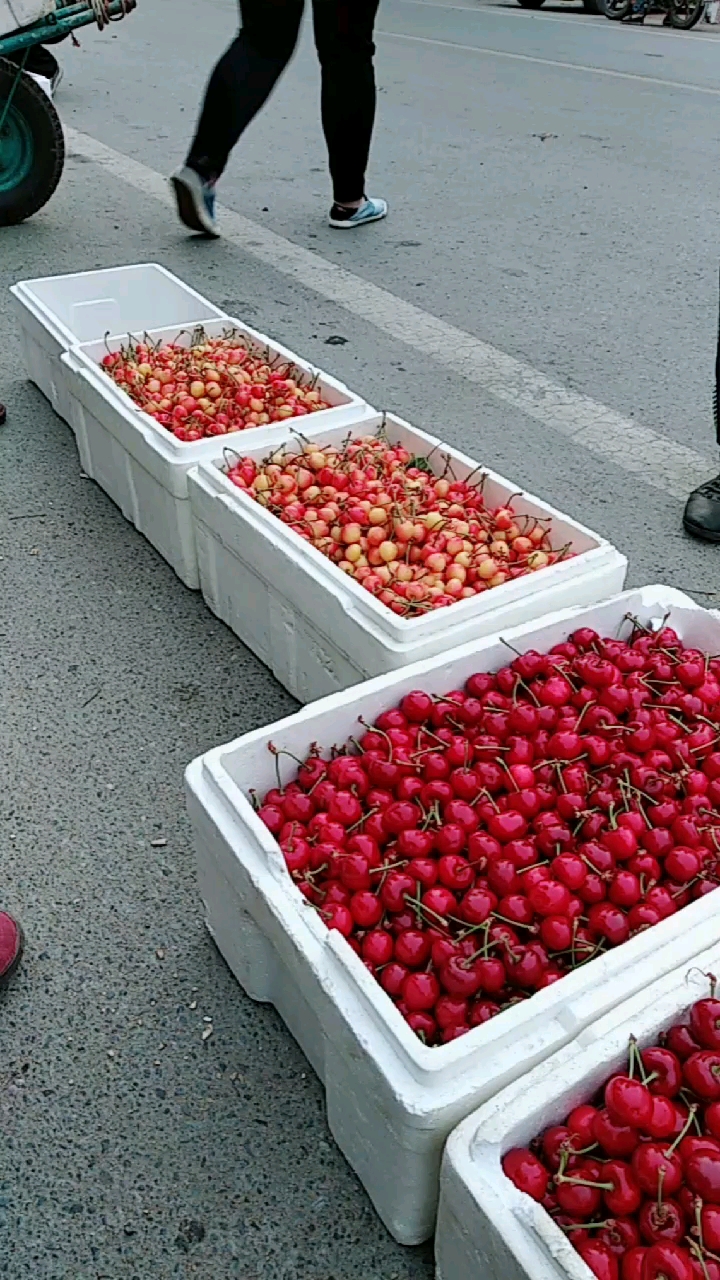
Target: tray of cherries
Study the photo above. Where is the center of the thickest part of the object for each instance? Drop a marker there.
(633, 1176)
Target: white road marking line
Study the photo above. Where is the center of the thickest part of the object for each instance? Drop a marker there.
(551, 62)
(658, 461)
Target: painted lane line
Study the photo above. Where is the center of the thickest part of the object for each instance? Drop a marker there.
(552, 62)
(659, 461)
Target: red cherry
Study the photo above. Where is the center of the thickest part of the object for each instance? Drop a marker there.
(420, 991)
(339, 917)
(702, 1074)
(412, 948)
(615, 1139)
(653, 1166)
(599, 1258)
(377, 947)
(459, 978)
(666, 1068)
(705, 1023)
(393, 977)
(710, 1224)
(581, 1121)
(702, 1170)
(631, 1267)
(665, 1221)
(450, 1011)
(628, 1101)
(667, 1261)
(712, 1119)
(626, 1196)
(527, 1173)
(574, 1196)
(664, 1120)
(680, 1041)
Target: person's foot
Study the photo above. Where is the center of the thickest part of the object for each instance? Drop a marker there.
(195, 201)
(702, 511)
(12, 942)
(346, 218)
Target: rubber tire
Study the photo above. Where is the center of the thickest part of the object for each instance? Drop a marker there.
(40, 116)
(685, 24)
(615, 13)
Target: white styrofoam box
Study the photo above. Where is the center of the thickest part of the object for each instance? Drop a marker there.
(392, 1101)
(15, 14)
(486, 1227)
(57, 312)
(144, 467)
(317, 629)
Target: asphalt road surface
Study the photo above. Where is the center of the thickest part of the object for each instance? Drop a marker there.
(543, 294)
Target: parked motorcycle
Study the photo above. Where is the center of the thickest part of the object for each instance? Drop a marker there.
(682, 14)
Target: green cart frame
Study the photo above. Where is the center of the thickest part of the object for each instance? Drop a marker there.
(32, 147)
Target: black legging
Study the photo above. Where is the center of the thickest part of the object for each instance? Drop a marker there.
(246, 74)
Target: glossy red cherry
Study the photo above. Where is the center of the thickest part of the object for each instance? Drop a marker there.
(628, 1101)
(526, 1172)
(702, 1171)
(667, 1261)
(599, 1258)
(702, 1074)
(705, 1023)
(653, 1166)
(665, 1221)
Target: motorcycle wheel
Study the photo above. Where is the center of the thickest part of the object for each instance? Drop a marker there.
(685, 14)
(616, 10)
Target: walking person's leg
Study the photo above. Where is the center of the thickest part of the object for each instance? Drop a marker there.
(702, 511)
(241, 82)
(344, 41)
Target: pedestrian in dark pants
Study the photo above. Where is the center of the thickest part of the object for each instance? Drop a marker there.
(246, 75)
(702, 511)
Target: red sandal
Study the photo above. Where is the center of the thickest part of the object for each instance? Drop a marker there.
(12, 942)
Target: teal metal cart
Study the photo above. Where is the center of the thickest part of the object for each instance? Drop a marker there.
(32, 147)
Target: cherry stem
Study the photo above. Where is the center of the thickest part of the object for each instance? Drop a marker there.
(684, 1131)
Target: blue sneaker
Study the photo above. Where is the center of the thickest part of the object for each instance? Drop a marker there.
(346, 219)
(195, 201)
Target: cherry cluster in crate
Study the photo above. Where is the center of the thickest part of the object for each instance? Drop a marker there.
(213, 387)
(634, 1177)
(474, 848)
(415, 540)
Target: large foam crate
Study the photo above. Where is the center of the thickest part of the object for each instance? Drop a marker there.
(486, 1227)
(144, 467)
(57, 312)
(317, 629)
(392, 1101)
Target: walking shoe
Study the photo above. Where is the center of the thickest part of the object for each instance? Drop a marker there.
(702, 511)
(11, 945)
(346, 219)
(195, 201)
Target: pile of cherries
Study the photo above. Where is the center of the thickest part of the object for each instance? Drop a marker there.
(474, 848)
(213, 387)
(413, 539)
(634, 1178)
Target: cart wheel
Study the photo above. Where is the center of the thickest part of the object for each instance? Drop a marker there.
(32, 147)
